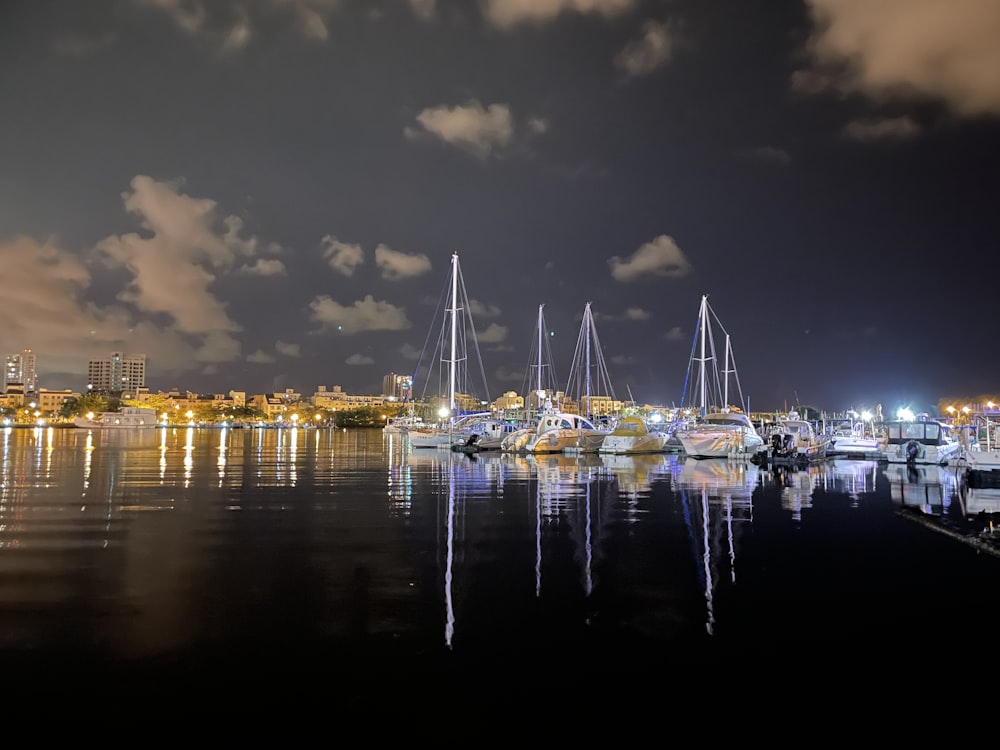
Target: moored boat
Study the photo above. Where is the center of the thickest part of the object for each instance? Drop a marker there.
(632, 435)
(128, 418)
(926, 441)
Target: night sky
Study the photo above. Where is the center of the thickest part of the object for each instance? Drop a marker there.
(266, 194)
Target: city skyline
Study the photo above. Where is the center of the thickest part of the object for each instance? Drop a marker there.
(267, 193)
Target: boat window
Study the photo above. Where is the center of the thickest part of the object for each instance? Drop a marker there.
(914, 431)
(933, 431)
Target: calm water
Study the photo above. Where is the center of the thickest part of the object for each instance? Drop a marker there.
(191, 551)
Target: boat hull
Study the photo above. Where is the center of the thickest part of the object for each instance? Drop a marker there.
(720, 443)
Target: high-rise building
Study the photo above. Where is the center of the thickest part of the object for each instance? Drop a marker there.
(398, 387)
(19, 369)
(119, 373)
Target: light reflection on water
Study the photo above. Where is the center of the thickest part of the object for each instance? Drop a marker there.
(133, 544)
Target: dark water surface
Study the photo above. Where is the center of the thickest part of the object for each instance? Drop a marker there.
(188, 554)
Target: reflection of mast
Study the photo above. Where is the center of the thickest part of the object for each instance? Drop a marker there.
(538, 535)
(707, 561)
(559, 494)
(449, 627)
(729, 487)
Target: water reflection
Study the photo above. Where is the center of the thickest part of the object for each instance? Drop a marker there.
(717, 499)
(635, 474)
(852, 477)
(925, 487)
(311, 539)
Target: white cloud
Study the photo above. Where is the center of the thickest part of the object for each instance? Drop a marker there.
(507, 375)
(493, 334)
(636, 313)
(44, 289)
(343, 257)
(882, 129)
(623, 360)
(260, 357)
(470, 127)
(289, 350)
(174, 266)
(359, 359)
(265, 267)
(674, 334)
(538, 125)
(946, 51)
(408, 351)
(229, 26)
(364, 315)
(507, 13)
(423, 9)
(647, 53)
(661, 257)
(396, 265)
(483, 310)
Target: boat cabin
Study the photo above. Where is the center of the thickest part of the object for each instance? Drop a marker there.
(923, 432)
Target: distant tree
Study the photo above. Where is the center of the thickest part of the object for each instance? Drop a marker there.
(77, 407)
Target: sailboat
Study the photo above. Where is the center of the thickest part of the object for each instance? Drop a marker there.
(456, 389)
(539, 388)
(589, 385)
(720, 431)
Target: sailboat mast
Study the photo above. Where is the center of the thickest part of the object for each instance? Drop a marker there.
(703, 316)
(538, 382)
(725, 387)
(454, 333)
(589, 328)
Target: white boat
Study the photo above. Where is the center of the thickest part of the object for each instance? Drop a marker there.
(128, 418)
(403, 423)
(559, 432)
(589, 386)
(723, 434)
(981, 460)
(795, 440)
(632, 435)
(720, 430)
(458, 329)
(921, 442)
(854, 440)
(539, 388)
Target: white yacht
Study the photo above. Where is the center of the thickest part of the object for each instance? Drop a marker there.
(920, 442)
(793, 439)
(632, 435)
(721, 434)
(721, 431)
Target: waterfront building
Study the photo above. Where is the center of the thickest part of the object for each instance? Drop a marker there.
(338, 400)
(120, 372)
(276, 404)
(397, 387)
(50, 401)
(19, 369)
(509, 402)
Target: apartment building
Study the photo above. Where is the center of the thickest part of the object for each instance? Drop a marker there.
(119, 373)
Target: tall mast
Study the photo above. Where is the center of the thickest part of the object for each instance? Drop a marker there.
(538, 382)
(589, 327)
(726, 371)
(454, 333)
(704, 320)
